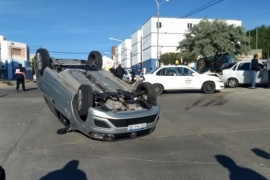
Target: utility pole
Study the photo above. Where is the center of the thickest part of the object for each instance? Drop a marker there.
(256, 37)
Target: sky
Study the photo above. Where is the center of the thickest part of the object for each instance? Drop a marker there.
(73, 28)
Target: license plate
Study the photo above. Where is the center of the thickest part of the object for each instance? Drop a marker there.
(136, 127)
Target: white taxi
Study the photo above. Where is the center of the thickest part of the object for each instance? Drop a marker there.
(181, 77)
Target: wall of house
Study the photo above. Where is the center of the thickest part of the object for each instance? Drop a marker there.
(11, 55)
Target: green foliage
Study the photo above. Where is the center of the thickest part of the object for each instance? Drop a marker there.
(263, 41)
(169, 58)
(214, 38)
(33, 62)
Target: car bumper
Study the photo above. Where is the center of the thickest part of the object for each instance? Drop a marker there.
(121, 125)
(220, 85)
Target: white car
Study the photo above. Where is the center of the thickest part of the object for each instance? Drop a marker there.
(240, 74)
(34, 78)
(181, 77)
(127, 75)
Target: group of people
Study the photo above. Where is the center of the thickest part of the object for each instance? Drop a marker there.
(118, 72)
(135, 72)
(255, 67)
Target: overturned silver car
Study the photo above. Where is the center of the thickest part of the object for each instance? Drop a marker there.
(93, 101)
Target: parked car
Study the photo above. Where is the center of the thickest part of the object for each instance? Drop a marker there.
(34, 78)
(239, 74)
(127, 75)
(86, 98)
(181, 77)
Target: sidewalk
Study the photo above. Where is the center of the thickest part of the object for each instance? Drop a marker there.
(6, 83)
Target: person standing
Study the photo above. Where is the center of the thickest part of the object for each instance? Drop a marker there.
(254, 70)
(268, 70)
(132, 74)
(119, 72)
(20, 77)
(138, 71)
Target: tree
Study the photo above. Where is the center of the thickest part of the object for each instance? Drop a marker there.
(169, 58)
(33, 62)
(262, 34)
(214, 38)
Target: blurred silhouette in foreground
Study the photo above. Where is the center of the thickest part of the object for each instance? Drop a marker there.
(69, 172)
(2, 173)
(237, 172)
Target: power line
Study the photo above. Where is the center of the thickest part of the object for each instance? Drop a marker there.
(201, 8)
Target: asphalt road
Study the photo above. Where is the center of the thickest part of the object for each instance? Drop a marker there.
(218, 136)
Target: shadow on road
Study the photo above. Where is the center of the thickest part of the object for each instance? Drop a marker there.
(261, 153)
(237, 172)
(2, 173)
(30, 89)
(69, 172)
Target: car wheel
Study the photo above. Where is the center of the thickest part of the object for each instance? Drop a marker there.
(95, 59)
(146, 92)
(84, 100)
(209, 87)
(158, 89)
(233, 83)
(42, 60)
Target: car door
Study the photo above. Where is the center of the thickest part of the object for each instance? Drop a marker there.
(262, 74)
(243, 73)
(187, 78)
(167, 76)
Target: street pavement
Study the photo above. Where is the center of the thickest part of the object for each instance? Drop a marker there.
(8, 83)
(199, 136)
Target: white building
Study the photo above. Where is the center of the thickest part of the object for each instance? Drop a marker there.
(123, 53)
(11, 54)
(144, 41)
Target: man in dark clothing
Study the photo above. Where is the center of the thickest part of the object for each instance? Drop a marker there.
(132, 74)
(254, 70)
(20, 77)
(119, 72)
(138, 71)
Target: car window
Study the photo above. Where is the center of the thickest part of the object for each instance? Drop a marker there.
(234, 67)
(169, 71)
(183, 71)
(262, 66)
(243, 67)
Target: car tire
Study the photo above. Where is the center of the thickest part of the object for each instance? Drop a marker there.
(158, 89)
(146, 91)
(209, 87)
(95, 59)
(42, 60)
(84, 100)
(233, 83)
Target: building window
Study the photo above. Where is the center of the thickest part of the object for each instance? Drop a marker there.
(189, 25)
(18, 52)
